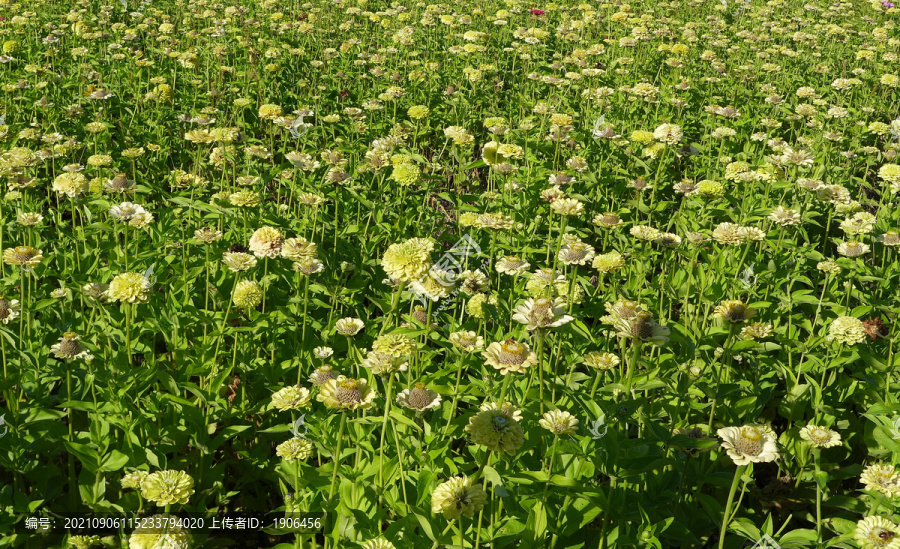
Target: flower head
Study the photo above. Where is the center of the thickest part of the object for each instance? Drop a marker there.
(510, 356)
(134, 480)
(877, 533)
(294, 449)
(70, 184)
(601, 361)
(238, 261)
(167, 487)
(349, 326)
(847, 330)
(559, 422)
(291, 398)
(130, 288)
(378, 543)
(881, 477)
(23, 256)
(643, 328)
(734, 311)
(345, 393)
(458, 496)
(9, 309)
(497, 428)
(160, 532)
(820, 437)
(467, 341)
(70, 348)
(247, 294)
(298, 249)
(511, 265)
(408, 261)
(266, 242)
(419, 398)
(322, 375)
(749, 444)
(542, 313)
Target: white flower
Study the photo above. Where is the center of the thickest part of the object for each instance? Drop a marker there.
(749, 444)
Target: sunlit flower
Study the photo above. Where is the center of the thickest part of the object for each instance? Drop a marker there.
(510, 356)
(749, 444)
(167, 487)
(345, 393)
(247, 294)
(70, 348)
(559, 422)
(847, 330)
(877, 533)
(291, 398)
(881, 477)
(458, 496)
(497, 428)
(130, 288)
(542, 313)
(419, 398)
(820, 437)
(266, 242)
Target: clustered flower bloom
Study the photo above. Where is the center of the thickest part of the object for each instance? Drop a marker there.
(846, 330)
(497, 428)
(247, 294)
(457, 497)
(129, 287)
(167, 487)
(291, 398)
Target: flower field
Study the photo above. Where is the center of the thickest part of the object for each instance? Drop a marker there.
(394, 275)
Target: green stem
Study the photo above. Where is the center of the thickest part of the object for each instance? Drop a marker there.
(725, 518)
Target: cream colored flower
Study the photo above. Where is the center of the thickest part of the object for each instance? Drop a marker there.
(497, 428)
(409, 260)
(820, 437)
(749, 444)
(419, 398)
(881, 477)
(130, 288)
(734, 311)
(291, 398)
(559, 422)
(294, 449)
(877, 533)
(542, 313)
(266, 242)
(847, 330)
(467, 341)
(345, 393)
(510, 356)
(298, 249)
(458, 496)
(167, 487)
(349, 326)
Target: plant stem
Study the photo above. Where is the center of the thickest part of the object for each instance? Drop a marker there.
(738, 473)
